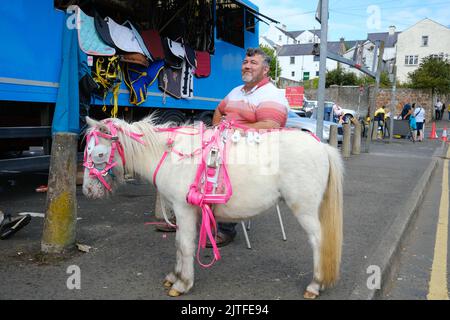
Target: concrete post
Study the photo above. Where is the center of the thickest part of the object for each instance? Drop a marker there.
(346, 140)
(61, 212)
(356, 145)
(374, 130)
(158, 210)
(333, 136)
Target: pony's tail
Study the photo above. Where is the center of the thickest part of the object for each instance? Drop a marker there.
(331, 220)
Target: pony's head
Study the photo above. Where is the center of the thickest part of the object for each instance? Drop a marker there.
(103, 159)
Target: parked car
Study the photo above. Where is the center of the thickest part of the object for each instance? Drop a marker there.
(309, 106)
(310, 125)
(299, 112)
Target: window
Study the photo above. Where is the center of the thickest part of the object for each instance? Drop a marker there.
(293, 73)
(424, 41)
(292, 60)
(250, 22)
(305, 75)
(316, 58)
(230, 22)
(411, 60)
(317, 73)
(279, 38)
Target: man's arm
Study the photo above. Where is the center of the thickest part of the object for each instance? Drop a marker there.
(217, 116)
(264, 124)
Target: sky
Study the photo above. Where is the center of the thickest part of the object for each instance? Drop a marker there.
(354, 19)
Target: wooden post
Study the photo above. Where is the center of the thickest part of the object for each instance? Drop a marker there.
(356, 146)
(346, 142)
(333, 136)
(61, 213)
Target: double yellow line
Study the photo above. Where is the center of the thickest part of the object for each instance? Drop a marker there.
(438, 283)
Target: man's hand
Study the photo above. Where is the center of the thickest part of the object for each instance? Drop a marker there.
(217, 117)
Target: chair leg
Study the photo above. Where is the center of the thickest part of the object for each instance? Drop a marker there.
(246, 235)
(281, 223)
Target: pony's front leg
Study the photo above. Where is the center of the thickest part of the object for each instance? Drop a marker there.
(182, 279)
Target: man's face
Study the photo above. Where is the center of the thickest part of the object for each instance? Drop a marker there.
(253, 69)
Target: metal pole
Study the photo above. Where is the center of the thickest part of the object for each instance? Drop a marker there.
(393, 104)
(322, 68)
(373, 106)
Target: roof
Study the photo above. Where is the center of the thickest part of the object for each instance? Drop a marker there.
(286, 33)
(389, 40)
(296, 33)
(306, 49)
(270, 42)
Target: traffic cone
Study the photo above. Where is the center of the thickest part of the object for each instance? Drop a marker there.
(433, 134)
(444, 135)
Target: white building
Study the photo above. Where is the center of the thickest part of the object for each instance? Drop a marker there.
(298, 62)
(423, 39)
(369, 54)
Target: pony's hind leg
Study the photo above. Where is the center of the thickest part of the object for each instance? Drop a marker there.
(182, 279)
(308, 217)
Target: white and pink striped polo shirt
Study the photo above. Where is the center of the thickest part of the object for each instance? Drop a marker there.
(263, 102)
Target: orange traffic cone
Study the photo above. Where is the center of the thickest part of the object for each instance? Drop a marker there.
(444, 135)
(433, 134)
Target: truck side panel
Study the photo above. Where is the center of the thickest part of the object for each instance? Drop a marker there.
(31, 63)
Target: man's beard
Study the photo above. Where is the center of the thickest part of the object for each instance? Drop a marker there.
(246, 77)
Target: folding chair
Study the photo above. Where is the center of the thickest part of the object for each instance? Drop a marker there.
(247, 228)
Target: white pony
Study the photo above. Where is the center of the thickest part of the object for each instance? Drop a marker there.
(287, 164)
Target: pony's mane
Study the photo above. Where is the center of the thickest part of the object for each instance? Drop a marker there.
(135, 152)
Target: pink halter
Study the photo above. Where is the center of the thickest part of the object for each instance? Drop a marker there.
(115, 145)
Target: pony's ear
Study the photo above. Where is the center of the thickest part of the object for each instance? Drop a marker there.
(91, 122)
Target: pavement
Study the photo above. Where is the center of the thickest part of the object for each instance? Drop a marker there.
(129, 260)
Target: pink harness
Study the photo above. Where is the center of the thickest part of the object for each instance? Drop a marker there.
(211, 184)
(115, 146)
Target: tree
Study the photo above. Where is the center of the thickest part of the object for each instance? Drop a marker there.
(384, 80)
(340, 77)
(273, 62)
(433, 73)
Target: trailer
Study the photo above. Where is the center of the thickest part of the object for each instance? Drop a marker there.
(32, 58)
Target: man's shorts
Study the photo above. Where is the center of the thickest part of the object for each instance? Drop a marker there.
(419, 125)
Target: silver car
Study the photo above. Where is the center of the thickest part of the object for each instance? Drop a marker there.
(310, 124)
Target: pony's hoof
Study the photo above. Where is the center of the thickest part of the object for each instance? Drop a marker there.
(310, 295)
(174, 293)
(167, 284)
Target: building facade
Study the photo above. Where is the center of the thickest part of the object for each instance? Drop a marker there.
(423, 39)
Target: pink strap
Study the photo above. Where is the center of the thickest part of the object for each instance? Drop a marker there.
(158, 167)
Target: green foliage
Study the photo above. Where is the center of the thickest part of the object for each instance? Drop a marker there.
(273, 63)
(341, 78)
(384, 80)
(311, 84)
(433, 73)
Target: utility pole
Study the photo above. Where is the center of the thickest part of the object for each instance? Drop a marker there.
(323, 19)
(393, 100)
(372, 106)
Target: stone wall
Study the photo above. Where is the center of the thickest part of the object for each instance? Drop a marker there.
(350, 97)
(403, 96)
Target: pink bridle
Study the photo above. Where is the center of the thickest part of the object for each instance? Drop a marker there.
(115, 146)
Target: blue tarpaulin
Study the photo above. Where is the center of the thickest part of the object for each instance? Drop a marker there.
(67, 113)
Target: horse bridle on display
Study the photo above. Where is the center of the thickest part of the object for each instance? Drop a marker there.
(89, 163)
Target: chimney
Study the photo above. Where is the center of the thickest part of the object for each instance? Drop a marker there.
(342, 45)
(391, 30)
